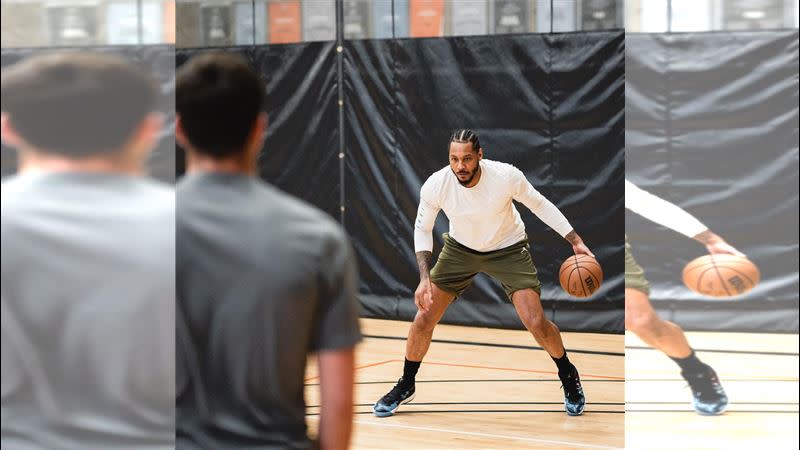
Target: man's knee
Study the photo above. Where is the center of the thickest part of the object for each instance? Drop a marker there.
(425, 321)
(643, 323)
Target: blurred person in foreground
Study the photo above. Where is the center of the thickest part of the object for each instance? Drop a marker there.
(88, 295)
(263, 281)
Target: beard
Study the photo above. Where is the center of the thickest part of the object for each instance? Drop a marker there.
(469, 179)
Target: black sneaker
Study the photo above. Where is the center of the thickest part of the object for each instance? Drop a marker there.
(400, 394)
(709, 398)
(574, 400)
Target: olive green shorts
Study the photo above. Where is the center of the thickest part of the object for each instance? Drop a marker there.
(511, 266)
(634, 274)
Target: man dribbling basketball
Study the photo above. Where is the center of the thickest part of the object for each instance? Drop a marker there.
(708, 395)
(486, 235)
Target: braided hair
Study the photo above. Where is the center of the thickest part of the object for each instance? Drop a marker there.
(464, 135)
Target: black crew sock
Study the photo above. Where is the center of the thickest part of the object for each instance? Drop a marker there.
(691, 364)
(565, 367)
(410, 369)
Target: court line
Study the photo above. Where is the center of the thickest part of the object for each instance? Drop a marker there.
(727, 413)
(710, 350)
(735, 403)
(518, 370)
(487, 344)
(488, 435)
(449, 411)
(499, 403)
(358, 367)
(725, 380)
(502, 380)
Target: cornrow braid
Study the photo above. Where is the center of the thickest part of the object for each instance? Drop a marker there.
(464, 135)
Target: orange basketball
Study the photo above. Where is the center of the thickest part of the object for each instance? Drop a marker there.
(721, 275)
(580, 276)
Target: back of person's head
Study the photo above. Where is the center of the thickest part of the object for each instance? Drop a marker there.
(218, 98)
(76, 105)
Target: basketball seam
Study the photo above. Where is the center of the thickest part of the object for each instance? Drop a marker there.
(578, 268)
(569, 276)
(740, 273)
(700, 279)
(722, 280)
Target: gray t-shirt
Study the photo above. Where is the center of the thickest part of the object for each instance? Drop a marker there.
(88, 304)
(262, 281)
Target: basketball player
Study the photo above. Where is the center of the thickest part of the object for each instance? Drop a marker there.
(263, 280)
(708, 395)
(88, 267)
(486, 235)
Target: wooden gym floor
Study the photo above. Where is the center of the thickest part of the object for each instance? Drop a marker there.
(759, 373)
(483, 388)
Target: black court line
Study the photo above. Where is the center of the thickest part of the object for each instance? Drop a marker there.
(483, 381)
(490, 403)
(486, 344)
(727, 413)
(724, 380)
(711, 350)
(733, 402)
(450, 411)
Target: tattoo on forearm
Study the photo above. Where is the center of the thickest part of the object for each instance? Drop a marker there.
(424, 263)
(572, 237)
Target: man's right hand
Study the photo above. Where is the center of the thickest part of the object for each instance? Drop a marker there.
(716, 245)
(423, 297)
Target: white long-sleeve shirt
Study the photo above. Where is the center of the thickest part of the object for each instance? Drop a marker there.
(483, 217)
(661, 211)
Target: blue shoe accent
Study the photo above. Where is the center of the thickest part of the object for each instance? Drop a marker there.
(708, 396)
(574, 399)
(400, 394)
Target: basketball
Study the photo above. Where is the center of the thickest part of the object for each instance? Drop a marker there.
(580, 276)
(721, 275)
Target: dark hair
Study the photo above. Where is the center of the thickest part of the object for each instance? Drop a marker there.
(76, 104)
(219, 98)
(464, 135)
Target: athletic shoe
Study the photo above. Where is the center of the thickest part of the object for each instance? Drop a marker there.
(400, 394)
(574, 400)
(709, 398)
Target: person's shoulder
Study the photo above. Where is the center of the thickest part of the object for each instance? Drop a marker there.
(438, 177)
(500, 167)
(299, 213)
(156, 189)
(435, 182)
(12, 186)
(505, 173)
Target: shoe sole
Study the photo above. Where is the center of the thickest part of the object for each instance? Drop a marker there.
(574, 414)
(391, 412)
(703, 413)
(580, 413)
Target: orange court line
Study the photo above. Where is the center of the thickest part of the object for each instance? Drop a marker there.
(360, 367)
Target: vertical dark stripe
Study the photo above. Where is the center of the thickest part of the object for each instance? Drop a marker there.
(340, 82)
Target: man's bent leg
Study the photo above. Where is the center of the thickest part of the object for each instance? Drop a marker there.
(421, 331)
(642, 319)
(530, 311)
(708, 396)
(419, 339)
(529, 308)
